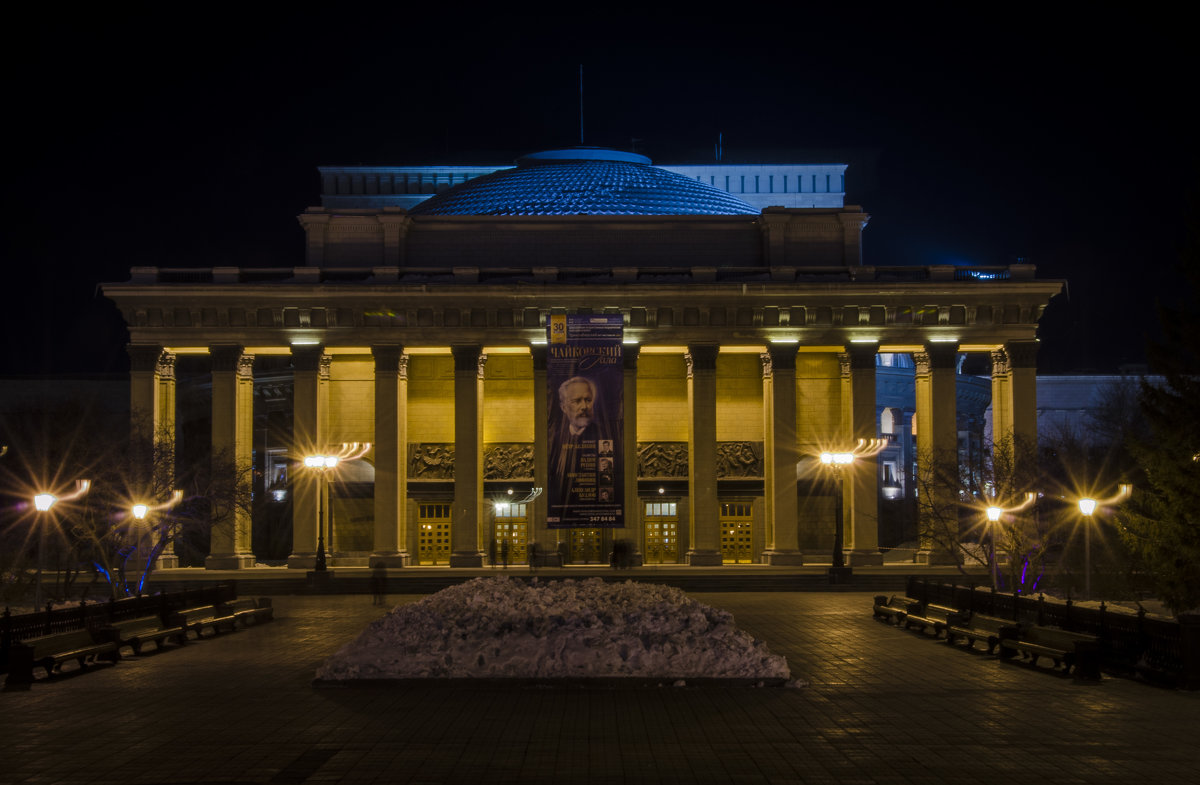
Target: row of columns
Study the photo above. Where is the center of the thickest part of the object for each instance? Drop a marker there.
(153, 406)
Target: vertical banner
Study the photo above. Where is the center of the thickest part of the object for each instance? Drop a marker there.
(585, 381)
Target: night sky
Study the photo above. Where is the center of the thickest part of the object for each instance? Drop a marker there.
(140, 136)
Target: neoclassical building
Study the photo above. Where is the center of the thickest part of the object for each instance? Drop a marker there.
(750, 338)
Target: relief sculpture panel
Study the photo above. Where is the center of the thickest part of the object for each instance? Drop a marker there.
(662, 459)
(431, 461)
(739, 459)
(508, 461)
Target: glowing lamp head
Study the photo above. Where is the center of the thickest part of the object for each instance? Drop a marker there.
(1087, 506)
(139, 511)
(993, 513)
(44, 501)
(837, 458)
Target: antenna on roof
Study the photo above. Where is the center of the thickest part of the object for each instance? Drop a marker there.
(581, 104)
(719, 145)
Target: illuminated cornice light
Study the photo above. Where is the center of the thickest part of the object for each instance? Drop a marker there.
(783, 340)
(943, 339)
(305, 342)
(627, 341)
(864, 340)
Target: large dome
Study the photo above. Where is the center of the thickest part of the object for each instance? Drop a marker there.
(583, 181)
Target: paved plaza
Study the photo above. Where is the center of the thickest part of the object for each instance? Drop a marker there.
(882, 706)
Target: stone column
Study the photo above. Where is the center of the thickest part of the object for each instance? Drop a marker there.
(782, 453)
(704, 512)
(937, 452)
(1023, 369)
(308, 437)
(633, 505)
(232, 443)
(152, 431)
(468, 481)
(861, 498)
(391, 453)
(545, 538)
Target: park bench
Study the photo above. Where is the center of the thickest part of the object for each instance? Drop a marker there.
(894, 609)
(196, 619)
(1071, 649)
(52, 651)
(939, 617)
(978, 627)
(135, 633)
(248, 610)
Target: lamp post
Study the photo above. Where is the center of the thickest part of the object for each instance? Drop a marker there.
(1087, 507)
(994, 513)
(993, 516)
(840, 462)
(322, 465)
(42, 503)
(141, 511)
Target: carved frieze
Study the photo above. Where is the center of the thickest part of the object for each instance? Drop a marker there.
(739, 459)
(431, 461)
(662, 459)
(508, 461)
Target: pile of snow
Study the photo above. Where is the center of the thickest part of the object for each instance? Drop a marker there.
(502, 628)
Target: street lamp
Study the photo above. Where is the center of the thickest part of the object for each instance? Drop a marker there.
(43, 502)
(840, 462)
(322, 464)
(994, 512)
(1087, 506)
(141, 511)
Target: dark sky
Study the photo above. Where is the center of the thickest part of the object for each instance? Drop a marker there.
(147, 136)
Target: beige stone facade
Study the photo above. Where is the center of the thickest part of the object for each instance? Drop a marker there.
(750, 348)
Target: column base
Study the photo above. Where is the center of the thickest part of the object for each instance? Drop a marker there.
(864, 558)
(168, 562)
(466, 559)
(229, 561)
(839, 575)
(934, 557)
(319, 581)
(389, 560)
(783, 558)
(704, 559)
(302, 561)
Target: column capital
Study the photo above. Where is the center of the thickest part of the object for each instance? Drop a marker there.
(936, 357)
(782, 356)
(1022, 354)
(629, 356)
(307, 357)
(227, 357)
(481, 366)
(466, 357)
(1000, 366)
(862, 356)
(388, 357)
(166, 365)
(143, 357)
(703, 356)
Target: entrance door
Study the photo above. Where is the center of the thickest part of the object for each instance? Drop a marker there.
(585, 546)
(433, 534)
(512, 526)
(662, 533)
(736, 522)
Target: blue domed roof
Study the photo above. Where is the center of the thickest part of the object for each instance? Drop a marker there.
(583, 181)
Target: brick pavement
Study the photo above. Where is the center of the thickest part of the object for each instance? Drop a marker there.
(884, 706)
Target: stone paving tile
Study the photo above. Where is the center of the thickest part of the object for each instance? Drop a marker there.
(885, 707)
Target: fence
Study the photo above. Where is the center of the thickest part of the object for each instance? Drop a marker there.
(1161, 650)
(55, 620)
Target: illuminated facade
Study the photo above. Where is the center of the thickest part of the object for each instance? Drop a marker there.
(751, 338)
